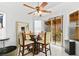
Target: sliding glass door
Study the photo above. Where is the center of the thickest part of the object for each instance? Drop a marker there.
(55, 26)
(57, 31)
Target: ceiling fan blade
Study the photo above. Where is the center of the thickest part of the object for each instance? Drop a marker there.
(43, 4)
(31, 12)
(45, 11)
(29, 6)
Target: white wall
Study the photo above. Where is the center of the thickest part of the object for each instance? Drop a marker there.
(14, 12)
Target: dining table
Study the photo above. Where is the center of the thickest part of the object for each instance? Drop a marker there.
(36, 46)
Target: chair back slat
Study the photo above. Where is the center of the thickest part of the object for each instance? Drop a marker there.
(45, 38)
(23, 38)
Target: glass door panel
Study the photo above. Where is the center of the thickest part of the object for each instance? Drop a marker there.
(55, 25)
(57, 31)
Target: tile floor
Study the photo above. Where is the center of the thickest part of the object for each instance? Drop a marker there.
(56, 51)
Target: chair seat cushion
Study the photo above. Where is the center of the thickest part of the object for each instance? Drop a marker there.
(27, 42)
(42, 41)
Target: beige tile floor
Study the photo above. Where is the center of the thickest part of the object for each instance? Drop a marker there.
(56, 51)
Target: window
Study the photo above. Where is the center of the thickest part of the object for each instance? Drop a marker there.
(1, 21)
(37, 26)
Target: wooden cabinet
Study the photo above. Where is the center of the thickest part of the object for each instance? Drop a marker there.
(77, 33)
(74, 18)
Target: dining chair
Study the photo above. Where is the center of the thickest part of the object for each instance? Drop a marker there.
(24, 42)
(45, 42)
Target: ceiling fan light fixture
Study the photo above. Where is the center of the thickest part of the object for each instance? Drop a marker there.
(39, 9)
(38, 13)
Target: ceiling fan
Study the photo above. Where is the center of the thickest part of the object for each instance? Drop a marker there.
(38, 9)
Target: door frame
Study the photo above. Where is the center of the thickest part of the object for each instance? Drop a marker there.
(61, 27)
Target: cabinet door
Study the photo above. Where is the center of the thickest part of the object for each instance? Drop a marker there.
(77, 33)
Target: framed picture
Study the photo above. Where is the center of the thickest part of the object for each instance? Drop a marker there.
(1, 21)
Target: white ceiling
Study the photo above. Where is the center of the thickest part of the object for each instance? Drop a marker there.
(50, 5)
